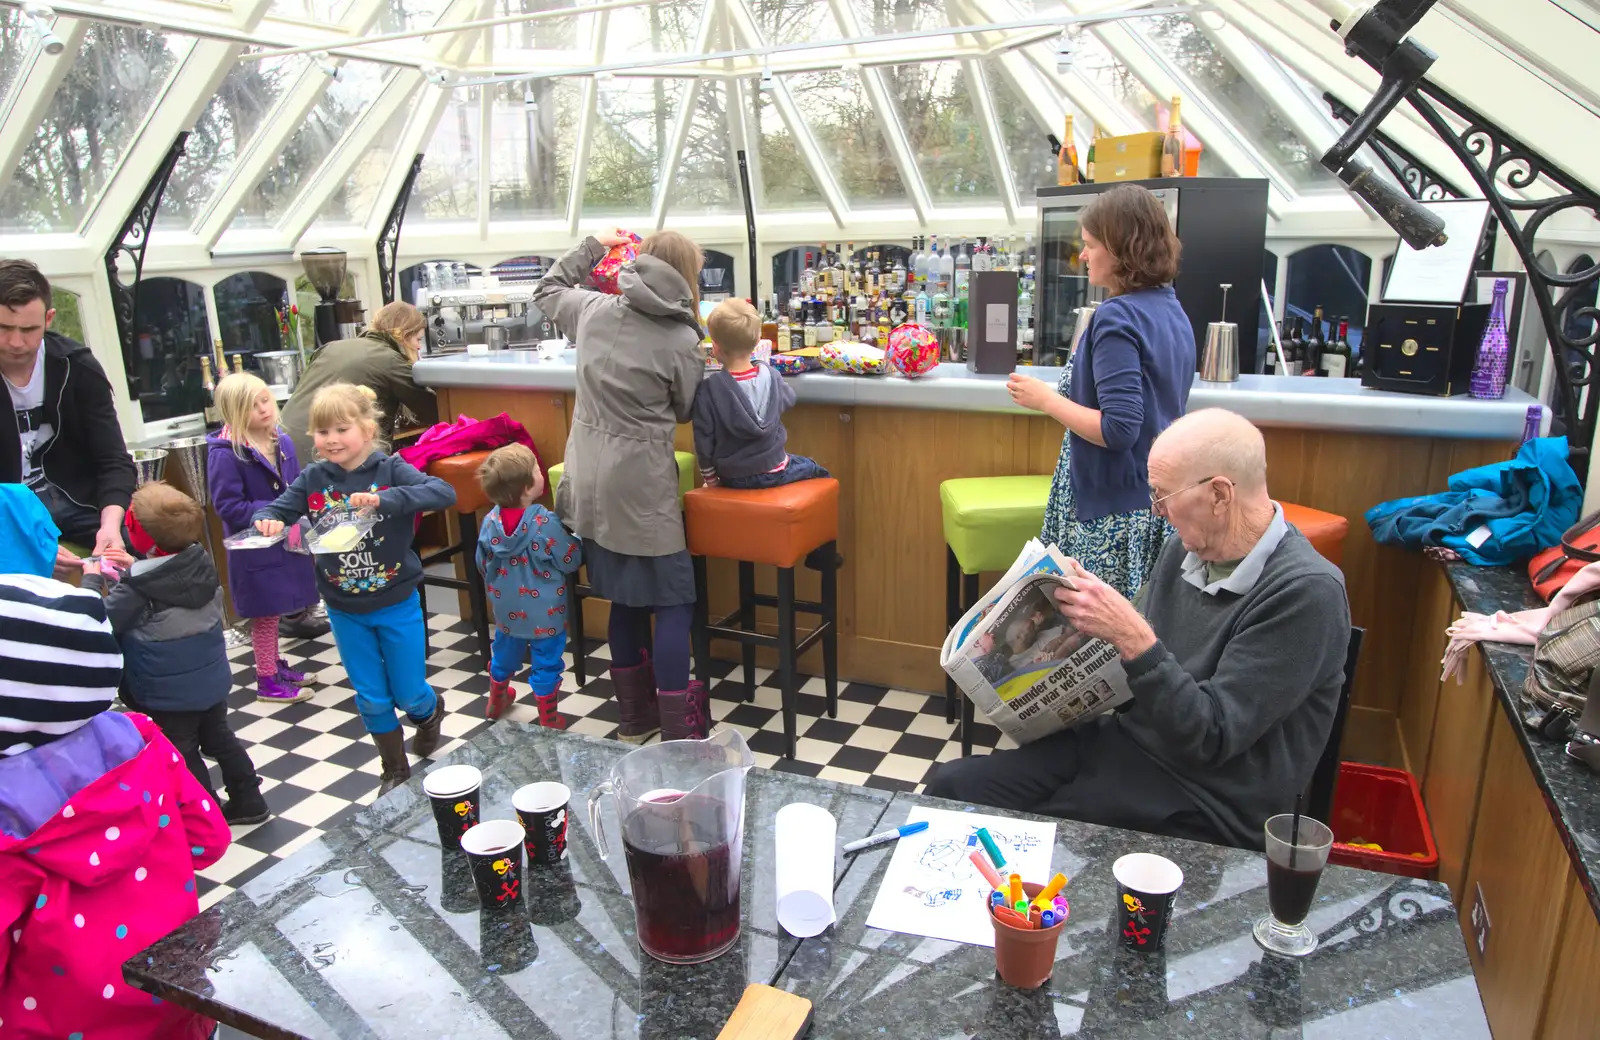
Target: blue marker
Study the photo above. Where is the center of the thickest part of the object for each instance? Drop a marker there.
(997, 898)
(1047, 919)
(886, 836)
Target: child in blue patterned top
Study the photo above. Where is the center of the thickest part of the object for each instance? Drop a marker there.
(371, 588)
(527, 558)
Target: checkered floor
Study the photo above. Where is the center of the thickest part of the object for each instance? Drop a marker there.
(317, 763)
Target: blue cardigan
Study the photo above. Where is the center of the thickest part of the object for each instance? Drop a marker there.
(1136, 365)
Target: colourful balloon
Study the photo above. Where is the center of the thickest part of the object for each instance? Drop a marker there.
(604, 275)
(913, 350)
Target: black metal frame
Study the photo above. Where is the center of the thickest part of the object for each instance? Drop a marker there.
(132, 240)
(1421, 181)
(960, 593)
(740, 626)
(389, 237)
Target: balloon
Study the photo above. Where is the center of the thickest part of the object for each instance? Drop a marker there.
(913, 350)
(604, 275)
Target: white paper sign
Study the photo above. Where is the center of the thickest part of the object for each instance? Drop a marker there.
(996, 323)
(1438, 274)
(931, 887)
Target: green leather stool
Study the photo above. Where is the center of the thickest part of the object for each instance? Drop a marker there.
(987, 520)
(575, 591)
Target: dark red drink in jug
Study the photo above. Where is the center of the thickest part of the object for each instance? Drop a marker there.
(684, 854)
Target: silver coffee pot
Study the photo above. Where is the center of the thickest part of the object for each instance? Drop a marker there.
(1219, 362)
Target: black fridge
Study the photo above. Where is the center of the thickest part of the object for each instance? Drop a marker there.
(1222, 223)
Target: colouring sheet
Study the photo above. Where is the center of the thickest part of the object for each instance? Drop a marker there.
(931, 887)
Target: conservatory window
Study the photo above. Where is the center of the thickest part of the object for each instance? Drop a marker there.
(250, 314)
(1033, 165)
(171, 334)
(352, 202)
(1334, 278)
(632, 136)
(447, 185)
(664, 27)
(317, 12)
(531, 148)
(835, 106)
(934, 102)
(785, 181)
(707, 180)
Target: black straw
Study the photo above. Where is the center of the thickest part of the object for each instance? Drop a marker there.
(1294, 833)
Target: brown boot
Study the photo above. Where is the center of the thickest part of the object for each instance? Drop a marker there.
(426, 739)
(392, 753)
(686, 714)
(636, 701)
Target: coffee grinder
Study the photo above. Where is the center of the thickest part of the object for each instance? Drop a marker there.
(335, 318)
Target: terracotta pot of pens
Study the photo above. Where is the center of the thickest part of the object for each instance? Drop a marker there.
(1024, 946)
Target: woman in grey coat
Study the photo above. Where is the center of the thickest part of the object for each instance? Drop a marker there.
(639, 365)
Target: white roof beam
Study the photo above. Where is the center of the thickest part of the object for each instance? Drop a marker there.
(705, 35)
(888, 119)
(590, 116)
(983, 103)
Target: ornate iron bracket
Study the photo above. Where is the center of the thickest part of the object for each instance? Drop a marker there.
(389, 238)
(1419, 179)
(1501, 165)
(132, 241)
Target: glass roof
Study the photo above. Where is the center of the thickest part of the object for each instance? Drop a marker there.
(544, 114)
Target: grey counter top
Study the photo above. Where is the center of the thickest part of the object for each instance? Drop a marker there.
(1306, 403)
(372, 931)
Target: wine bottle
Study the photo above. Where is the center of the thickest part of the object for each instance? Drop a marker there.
(1488, 381)
(1172, 145)
(1315, 345)
(1088, 165)
(1336, 359)
(1067, 158)
(1293, 346)
(208, 387)
(1271, 366)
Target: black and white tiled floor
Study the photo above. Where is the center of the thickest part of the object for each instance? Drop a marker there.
(318, 765)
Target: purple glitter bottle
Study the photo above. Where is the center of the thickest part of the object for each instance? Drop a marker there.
(1489, 373)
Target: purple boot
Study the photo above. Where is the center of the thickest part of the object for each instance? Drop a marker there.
(273, 688)
(291, 677)
(686, 714)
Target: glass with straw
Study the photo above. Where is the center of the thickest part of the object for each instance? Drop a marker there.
(1297, 850)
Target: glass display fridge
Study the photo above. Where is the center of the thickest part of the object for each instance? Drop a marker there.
(1222, 223)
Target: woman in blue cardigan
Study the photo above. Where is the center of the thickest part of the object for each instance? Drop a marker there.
(1126, 383)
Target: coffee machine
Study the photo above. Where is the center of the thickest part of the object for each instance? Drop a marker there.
(335, 318)
(498, 318)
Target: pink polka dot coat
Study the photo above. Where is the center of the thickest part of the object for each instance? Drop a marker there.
(108, 875)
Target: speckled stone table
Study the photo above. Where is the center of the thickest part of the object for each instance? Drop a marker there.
(1571, 791)
(373, 932)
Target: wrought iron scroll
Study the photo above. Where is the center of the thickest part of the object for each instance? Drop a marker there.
(1502, 166)
(131, 242)
(1419, 179)
(389, 238)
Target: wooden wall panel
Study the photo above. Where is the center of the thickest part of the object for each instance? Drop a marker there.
(1421, 689)
(1524, 874)
(1573, 1011)
(1455, 770)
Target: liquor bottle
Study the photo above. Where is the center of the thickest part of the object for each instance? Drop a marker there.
(897, 277)
(1488, 380)
(852, 269)
(1270, 368)
(1067, 158)
(941, 309)
(983, 259)
(1315, 345)
(1088, 164)
(1291, 349)
(947, 270)
(1172, 146)
(208, 386)
(911, 262)
(769, 324)
(922, 306)
(899, 309)
(797, 322)
(841, 318)
(927, 262)
(962, 269)
(883, 322)
(1336, 358)
(1025, 311)
(783, 340)
(808, 277)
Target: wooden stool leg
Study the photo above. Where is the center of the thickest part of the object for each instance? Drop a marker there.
(830, 617)
(575, 638)
(786, 641)
(475, 591)
(952, 614)
(966, 726)
(702, 639)
(747, 621)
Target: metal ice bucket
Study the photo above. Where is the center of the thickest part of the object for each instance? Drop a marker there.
(151, 463)
(280, 366)
(1219, 363)
(190, 453)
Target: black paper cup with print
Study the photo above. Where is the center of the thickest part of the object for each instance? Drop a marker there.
(542, 810)
(455, 792)
(494, 849)
(1147, 889)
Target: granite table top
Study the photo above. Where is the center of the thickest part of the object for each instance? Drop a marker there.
(372, 932)
(1571, 791)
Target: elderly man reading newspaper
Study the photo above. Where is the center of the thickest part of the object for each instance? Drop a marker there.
(1234, 658)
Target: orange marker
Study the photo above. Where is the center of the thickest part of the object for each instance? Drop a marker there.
(987, 871)
(1016, 889)
(1011, 917)
(1035, 917)
(1047, 896)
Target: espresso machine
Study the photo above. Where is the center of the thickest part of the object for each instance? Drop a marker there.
(498, 318)
(335, 318)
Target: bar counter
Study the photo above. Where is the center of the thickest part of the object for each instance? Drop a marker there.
(1331, 445)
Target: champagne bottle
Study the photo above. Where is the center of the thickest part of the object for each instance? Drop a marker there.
(1067, 158)
(1088, 165)
(1172, 145)
(208, 388)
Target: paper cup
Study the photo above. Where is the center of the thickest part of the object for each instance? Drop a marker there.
(494, 849)
(454, 792)
(542, 811)
(806, 836)
(1147, 888)
(1025, 957)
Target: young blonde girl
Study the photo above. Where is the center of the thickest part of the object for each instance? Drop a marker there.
(370, 589)
(248, 464)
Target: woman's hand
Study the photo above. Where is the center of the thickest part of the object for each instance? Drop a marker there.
(612, 238)
(365, 500)
(269, 527)
(1028, 392)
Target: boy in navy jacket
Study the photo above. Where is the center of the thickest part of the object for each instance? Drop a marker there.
(527, 558)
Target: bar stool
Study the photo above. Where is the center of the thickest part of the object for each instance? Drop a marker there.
(461, 473)
(1325, 531)
(577, 592)
(987, 520)
(779, 526)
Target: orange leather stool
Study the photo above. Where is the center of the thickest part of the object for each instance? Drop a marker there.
(1325, 531)
(779, 526)
(461, 473)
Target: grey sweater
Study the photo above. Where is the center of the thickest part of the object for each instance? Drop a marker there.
(732, 435)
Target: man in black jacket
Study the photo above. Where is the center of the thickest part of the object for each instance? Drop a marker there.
(64, 441)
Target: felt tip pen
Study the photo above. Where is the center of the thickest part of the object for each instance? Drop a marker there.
(886, 836)
(987, 871)
(1021, 907)
(997, 899)
(1015, 889)
(991, 848)
(1048, 894)
(1047, 919)
(1011, 917)
(1035, 917)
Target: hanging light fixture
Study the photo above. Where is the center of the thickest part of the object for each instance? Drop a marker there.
(329, 69)
(43, 19)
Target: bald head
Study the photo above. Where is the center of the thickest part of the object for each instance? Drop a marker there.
(1213, 442)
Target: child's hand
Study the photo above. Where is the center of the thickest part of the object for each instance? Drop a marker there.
(269, 527)
(119, 557)
(365, 500)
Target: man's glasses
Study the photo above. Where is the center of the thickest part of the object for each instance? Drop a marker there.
(1157, 500)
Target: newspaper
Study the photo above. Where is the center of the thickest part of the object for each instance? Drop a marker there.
(1022, 663)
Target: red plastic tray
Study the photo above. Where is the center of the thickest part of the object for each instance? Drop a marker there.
(1384, 806)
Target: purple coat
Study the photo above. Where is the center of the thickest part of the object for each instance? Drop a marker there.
(263, 582)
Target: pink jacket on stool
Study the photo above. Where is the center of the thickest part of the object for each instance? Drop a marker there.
(106, 876)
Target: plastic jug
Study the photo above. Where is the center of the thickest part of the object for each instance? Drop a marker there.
(681, 804)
